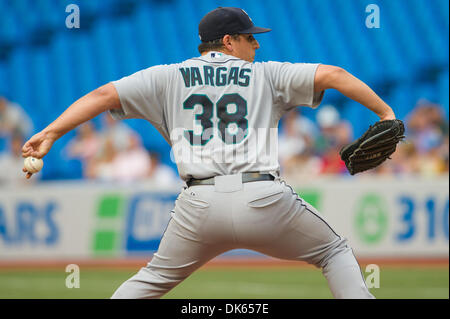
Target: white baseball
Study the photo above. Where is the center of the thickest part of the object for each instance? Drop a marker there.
(33, 165)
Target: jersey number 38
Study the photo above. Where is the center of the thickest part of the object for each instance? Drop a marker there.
(225, 118)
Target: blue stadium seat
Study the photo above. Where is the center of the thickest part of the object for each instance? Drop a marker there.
(47, 12)
(402, 100)
(104, 51)
(126, 47)
(307, 33)
(414, 50)
(188, 33)
(286, 39)
(434, 39)
(358, 44)
(62, 66)
(167, 38)
(440, 11)
(19, 86)
(42, 86)
(145, 32)
(392, 65)
(331, 30)
(9, 28)
(83, 62)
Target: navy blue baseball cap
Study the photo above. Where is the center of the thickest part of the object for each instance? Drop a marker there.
(226, 20)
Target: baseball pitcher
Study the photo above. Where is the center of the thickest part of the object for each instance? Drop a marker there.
(220, 112)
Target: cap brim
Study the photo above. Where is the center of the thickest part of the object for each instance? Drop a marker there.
(255, 30)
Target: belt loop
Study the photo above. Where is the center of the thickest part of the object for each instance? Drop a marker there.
(228, 183)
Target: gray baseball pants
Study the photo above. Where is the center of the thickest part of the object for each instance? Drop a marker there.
(264, 216)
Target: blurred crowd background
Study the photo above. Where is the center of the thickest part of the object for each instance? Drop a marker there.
(45, 66)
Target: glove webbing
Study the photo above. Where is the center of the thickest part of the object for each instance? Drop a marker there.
(372, 156)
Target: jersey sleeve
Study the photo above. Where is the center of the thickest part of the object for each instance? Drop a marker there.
(293, 84)
(142, 95)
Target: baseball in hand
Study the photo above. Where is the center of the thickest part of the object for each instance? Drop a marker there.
(32, 164)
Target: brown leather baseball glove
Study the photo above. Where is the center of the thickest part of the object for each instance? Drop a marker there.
(373, 147)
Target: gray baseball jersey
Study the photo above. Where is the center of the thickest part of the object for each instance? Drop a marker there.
(219, 113)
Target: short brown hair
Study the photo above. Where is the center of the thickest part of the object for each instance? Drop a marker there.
(216, 44)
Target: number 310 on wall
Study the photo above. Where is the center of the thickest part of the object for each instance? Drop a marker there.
(429, 217)
(436, 218)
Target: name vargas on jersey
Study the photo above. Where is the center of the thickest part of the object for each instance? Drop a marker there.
(219, 76)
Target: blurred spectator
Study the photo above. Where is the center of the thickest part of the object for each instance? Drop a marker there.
(427, 129)
(404, 161)
(117, 131)
(296, 146)
(425, 151)
(85, 146)
(11, 164)
(114, 142)
(302, 167)
(132, 164)
(426, 126)
(334, 134)
(13, 120)
(432, 164)
(102, 167)
(297, 136)
(444, 153)
(160, 173)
